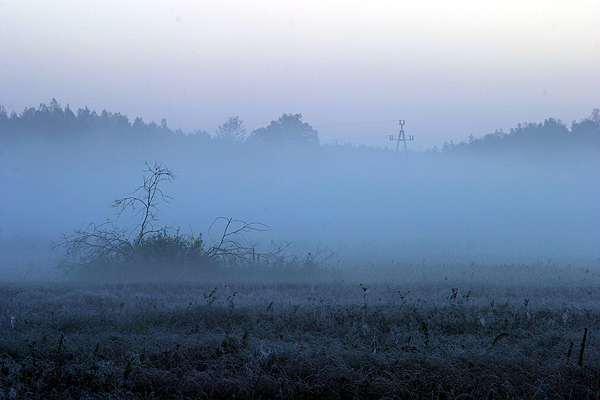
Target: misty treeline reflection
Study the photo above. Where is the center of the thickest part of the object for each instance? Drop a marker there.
(532, 191)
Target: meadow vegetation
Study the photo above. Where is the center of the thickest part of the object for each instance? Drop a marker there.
(531, 334)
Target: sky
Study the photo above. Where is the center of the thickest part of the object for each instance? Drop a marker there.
(449, 69)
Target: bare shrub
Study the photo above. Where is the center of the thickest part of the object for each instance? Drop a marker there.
(149, 250)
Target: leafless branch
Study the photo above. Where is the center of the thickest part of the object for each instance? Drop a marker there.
(95, 242)
(107, 241)
(233, 246)
(146, 197)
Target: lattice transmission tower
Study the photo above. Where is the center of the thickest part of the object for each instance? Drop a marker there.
(402, 138)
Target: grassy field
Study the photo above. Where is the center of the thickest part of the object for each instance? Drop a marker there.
(530, 333)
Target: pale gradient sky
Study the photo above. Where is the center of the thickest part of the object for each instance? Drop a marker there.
(449, 68)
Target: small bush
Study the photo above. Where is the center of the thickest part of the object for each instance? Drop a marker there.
(161, 255)
(149, 252)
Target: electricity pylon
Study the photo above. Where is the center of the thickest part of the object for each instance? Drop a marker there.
(402, 138)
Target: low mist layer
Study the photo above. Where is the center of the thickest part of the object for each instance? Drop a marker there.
(367, 205)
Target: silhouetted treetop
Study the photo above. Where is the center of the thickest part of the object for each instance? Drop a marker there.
(233, 129)
(289, 128)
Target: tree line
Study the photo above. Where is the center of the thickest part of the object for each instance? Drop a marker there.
(53, 121)
(547, 135)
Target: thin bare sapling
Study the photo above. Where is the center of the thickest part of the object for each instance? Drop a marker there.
(107, 246)
(234, 246)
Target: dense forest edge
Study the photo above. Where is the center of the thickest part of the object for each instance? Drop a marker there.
(53, 122)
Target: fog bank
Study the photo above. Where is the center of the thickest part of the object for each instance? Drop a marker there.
(367, 205)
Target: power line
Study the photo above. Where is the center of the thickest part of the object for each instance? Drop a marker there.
(356, 123)
(401, 136)
(337, 137)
